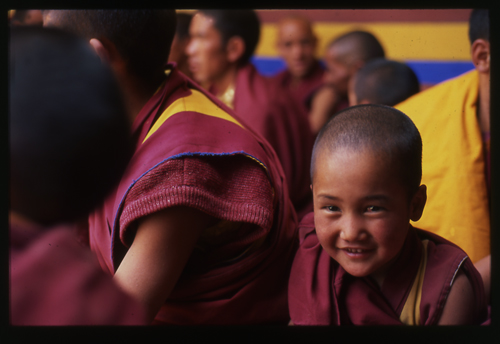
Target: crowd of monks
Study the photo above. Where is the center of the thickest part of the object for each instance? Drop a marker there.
(202, 225)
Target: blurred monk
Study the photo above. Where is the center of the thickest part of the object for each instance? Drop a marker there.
(345, 55)
(296, 44)
(222, 43)
(69, 142)
(382, 81)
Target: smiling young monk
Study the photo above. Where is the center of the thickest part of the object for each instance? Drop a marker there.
(360, 262)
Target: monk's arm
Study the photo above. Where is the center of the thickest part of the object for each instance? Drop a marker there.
(162, 245)
(460, 305)
(484, 268)
(322, 106)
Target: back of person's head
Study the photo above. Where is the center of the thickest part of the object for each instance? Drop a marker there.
(69, 135)
(142, 37)
(382, 130)
(361, 45)
(242, 23)
(479, 25)
(183, 22)
(386, 82)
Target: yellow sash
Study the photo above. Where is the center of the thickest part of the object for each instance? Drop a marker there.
(411, 310)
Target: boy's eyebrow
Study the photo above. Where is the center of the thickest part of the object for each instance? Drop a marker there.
(333, 198)
(376, 197)
(383, 198)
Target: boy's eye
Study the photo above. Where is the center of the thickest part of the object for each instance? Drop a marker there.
(332, 208)
(373, 208)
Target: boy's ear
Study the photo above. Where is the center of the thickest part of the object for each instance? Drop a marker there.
(100, 50)
(418, 203)
(235, 48)
(108, 53)
(480, 53)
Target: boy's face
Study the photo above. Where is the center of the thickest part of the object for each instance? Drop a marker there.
(207, 56)
(361, 211)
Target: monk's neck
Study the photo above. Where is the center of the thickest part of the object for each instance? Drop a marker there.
(137, 93)
(225, 81)
(483, 104)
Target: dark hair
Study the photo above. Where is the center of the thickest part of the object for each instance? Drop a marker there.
(242, 23)
(69, 132)
(365, 45)
(384, 131)
(183, 22)
(479, 25)
(142, 37)
(386, 82)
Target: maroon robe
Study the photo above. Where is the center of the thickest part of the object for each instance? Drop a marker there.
(272, 113)
(183, 163)
(301, 92)
(54, 281)
(321, 292)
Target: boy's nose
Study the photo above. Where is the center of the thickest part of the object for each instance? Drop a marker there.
(352, 229)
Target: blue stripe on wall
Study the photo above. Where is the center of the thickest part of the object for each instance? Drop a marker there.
(428, 72)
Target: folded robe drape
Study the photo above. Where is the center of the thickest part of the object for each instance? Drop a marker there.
(184, 124)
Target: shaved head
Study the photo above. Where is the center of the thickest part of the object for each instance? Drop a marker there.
(358, 46)
(301, 22)
(296, 44)
(385, 132)
(386, 82)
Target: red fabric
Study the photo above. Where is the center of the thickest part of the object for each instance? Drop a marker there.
(322, 293)
(301, 91)
(272, 113)
(219, 186)
(55, 281)
(249, 290)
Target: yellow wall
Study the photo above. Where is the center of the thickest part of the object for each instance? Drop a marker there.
(401, 41)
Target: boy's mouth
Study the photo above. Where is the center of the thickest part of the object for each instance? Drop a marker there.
(354, 250)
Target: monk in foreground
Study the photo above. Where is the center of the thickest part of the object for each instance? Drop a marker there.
(68, 145)
(360, 262)
(200, 228)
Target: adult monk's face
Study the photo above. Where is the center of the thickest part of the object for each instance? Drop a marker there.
(361, 210)
(207, 58)
(296, 45)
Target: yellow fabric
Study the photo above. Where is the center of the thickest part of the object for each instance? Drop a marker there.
(195, 102)
(453, 163)
(410, 315)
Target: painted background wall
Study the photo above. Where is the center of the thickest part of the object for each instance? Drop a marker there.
(433, 42)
